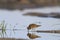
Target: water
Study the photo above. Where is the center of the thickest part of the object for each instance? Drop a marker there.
(15, 20)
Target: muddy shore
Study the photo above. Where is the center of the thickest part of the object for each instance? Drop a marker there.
(52, 14)
(49, 31)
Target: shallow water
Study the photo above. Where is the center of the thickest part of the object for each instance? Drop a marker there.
(15, 20)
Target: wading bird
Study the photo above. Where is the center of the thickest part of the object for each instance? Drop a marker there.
(32, 26)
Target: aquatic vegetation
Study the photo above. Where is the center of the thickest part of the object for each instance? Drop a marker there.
(3, 28)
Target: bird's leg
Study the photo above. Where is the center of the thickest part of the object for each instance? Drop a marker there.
(31, 39)
(28, 31)
(33, 30)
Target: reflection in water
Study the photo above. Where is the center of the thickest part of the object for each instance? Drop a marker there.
(3, 29)
(32, 36)
(4, 33)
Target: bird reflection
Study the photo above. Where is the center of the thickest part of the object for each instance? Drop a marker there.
(32, 36)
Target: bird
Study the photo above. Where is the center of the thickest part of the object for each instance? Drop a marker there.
(33, 36)
(32, 26)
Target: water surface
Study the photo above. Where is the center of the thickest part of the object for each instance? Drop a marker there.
(15, 20)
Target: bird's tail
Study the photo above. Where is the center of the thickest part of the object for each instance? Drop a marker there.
(38, 25)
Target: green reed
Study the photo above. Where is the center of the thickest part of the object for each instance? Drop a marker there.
(3, 26)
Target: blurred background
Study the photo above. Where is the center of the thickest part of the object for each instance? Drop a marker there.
(17, 15)
(22, 4)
